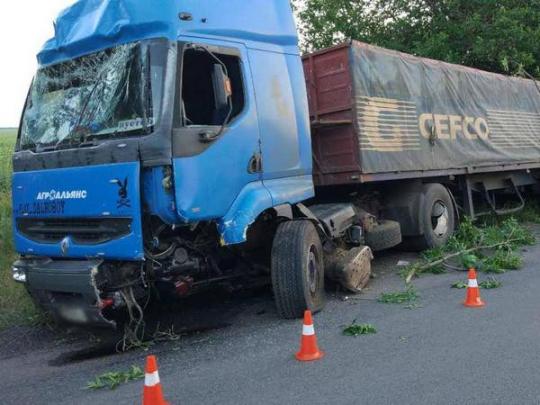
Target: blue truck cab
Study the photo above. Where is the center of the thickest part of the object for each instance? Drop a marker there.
(165, 147)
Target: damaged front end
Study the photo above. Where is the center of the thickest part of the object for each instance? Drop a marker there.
(84, 292)
(179, 262)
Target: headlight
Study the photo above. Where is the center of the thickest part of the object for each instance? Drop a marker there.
(19, 274)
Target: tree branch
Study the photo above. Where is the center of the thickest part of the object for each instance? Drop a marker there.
(415, 270)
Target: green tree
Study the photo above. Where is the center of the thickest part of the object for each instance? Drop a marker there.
(495, 35)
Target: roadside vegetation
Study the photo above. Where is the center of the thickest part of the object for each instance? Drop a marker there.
(15, 306)
(500, 37)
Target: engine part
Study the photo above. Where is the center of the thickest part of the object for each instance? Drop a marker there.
(337, 218)
(351, 268)
(355, 235)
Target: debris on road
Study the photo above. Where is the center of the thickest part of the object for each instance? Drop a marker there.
(399, 297)
(490, 283)
(492, 247)
(351, 268)
(459, 285)
(113, 379)
(413, 305)
(502, 261)
(356, 329)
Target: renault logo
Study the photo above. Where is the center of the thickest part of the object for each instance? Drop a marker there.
(64, 245)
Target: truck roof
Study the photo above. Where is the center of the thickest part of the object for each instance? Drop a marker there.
(92, 25)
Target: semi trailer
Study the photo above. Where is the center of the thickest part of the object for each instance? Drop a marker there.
(167, 149)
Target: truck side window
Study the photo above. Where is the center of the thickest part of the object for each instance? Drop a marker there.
(198, 91)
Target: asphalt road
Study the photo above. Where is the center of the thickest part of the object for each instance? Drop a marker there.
(436, 353)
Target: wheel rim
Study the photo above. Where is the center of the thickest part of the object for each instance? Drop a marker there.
(440, 218)
(313, 270)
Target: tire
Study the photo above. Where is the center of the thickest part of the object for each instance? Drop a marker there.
(384, 236)
(297, 269)
(438, 209)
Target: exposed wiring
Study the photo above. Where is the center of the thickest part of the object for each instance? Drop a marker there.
(134, 330)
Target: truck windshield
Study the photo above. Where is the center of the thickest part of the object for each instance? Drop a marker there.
(102, 95)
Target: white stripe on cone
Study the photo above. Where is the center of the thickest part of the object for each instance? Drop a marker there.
(308, 330)
(151, 379)
(473, 283)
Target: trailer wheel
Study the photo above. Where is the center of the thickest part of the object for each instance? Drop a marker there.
(297, 269)
(438, 218)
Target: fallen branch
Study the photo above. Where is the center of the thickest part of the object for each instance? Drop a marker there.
(420, 269)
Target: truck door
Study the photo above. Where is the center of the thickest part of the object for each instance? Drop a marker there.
(216, 146)
(283, 116)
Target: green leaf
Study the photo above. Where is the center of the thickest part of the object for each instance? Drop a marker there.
(355, 329)
(399, 297)
(480, 34)
(113, 379)
(491, 283)
(469, 261)
(460, 285)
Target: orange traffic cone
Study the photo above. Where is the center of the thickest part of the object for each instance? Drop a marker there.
(308, 344)
(473, 292)
(153, 394)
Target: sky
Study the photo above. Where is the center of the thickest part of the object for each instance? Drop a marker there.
(24, 26)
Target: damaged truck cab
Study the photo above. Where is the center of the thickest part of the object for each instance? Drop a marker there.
(163, 150)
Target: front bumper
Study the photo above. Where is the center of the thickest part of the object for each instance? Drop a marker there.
(65, 288)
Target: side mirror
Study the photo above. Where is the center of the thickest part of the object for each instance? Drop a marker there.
(222, 87)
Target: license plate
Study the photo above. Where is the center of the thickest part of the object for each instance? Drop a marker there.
(73, 314)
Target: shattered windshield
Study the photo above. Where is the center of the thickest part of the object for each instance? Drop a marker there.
(102, 95)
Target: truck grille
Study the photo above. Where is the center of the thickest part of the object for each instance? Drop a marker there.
(84, 231)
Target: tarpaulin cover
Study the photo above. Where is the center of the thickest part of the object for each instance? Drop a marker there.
(418, 114)
(93, 25)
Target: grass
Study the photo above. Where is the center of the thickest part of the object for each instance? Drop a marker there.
(530, 213)
(16, 306)
(356, 329)
(113, 379)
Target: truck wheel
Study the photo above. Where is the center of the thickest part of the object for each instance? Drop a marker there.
(384, 236)
(438, 219)
(297, 269)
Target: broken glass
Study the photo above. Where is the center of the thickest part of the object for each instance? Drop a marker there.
(96, 96)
